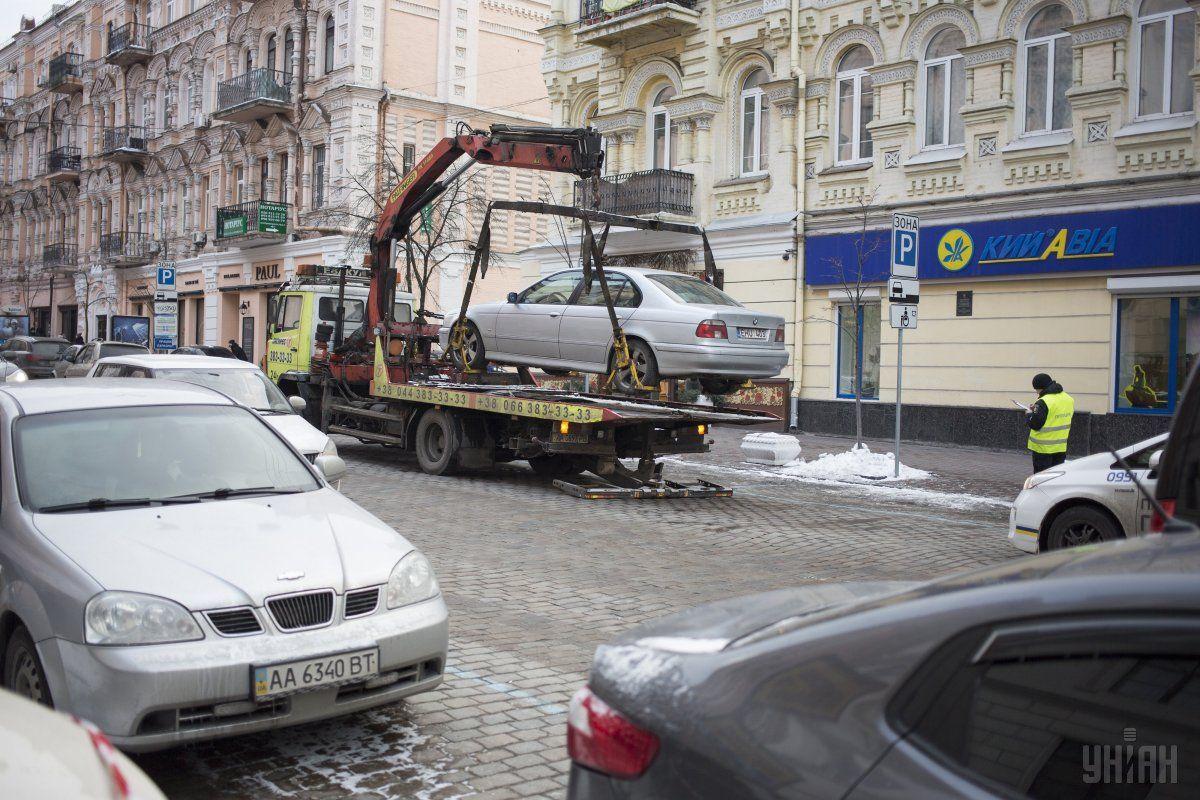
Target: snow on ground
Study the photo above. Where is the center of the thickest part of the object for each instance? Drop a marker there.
(856, 465)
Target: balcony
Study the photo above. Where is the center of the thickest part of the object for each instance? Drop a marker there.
(62, 165)
(257, 94)
(253, 224)
(66, 74)
(124, 144)
(653, 191)
(60, 257)
(129, 44)
(634, 21)
(127, 248)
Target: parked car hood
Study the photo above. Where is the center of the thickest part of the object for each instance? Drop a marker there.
(299, 433)
(230, 552)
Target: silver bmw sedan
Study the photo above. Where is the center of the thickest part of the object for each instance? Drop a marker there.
(677, 326)
(172, 570)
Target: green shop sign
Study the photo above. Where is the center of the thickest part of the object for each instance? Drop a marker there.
(272, 218)
(234, 225)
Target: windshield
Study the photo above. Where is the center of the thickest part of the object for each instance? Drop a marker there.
(49, 348)
(247, 386)
(327, 310)
(121, 350)
(150, 452)
(693, 290)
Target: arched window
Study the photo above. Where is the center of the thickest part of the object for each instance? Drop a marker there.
(1046, 54)
(289, 47)
(945, 88)
(754, 124)
(664, 134)
(1166, 37)
(208, 88)
(271, 47)
(855, 106)
(249, 59)
(330, 43)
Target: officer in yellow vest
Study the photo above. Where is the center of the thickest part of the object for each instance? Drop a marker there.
(1049, 423)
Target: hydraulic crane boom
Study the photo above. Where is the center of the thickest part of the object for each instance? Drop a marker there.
(573, 150)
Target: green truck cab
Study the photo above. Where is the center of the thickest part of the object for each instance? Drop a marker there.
(309, 300)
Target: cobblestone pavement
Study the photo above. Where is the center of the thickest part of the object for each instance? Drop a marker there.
(535, 579)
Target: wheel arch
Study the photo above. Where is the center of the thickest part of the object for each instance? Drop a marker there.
(1072, 502)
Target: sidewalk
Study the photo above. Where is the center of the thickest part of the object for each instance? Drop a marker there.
(958, 470)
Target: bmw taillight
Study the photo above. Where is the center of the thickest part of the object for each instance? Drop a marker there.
(712, 329)
(1157, 523)
(779, 334)
(600, 738)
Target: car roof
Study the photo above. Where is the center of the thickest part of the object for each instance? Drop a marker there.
(28, 338)
(177, 361)
(43, 397)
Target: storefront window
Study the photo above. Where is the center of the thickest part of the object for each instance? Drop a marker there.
(1158, 340)
(861, 329)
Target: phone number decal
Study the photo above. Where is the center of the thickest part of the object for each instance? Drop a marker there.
(513, 406)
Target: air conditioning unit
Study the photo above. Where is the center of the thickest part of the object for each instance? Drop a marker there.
(155, 246)
(201, 121)
(199, 238)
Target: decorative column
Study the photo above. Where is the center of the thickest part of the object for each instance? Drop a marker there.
(306, 197)
(687, 149)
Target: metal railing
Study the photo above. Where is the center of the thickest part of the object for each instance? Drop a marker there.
(651, 191)
(252, 217)
(62, 159)
(63, 67)
(59, 255)
(123, 137)
(129, 36)
(125, 245)
(257, 84)
(592, 11)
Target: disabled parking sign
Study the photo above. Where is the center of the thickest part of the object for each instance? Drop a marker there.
(906, 229)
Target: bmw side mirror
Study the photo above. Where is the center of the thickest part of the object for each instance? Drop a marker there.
(512, 297)
(332, 467)
(298, 403)
(1155, 457)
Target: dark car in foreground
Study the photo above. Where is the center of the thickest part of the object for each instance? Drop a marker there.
(1046, 677)
(36, 355)
(1178, 487)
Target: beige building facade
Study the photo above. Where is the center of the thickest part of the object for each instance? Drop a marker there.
(1048, 147)
(236, 140)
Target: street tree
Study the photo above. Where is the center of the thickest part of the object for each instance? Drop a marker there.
(92, 290)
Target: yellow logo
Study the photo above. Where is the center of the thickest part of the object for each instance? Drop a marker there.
(955, 249)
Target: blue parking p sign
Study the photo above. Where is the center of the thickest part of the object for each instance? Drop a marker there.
(906, 229)
(166, 277)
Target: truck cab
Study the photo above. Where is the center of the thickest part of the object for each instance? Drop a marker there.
(308, 301)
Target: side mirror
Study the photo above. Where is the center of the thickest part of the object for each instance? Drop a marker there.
(1155, 457)
(512, 297)
(332, 467)
(298, 403)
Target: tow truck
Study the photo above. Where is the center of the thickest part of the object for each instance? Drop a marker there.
(384, 384)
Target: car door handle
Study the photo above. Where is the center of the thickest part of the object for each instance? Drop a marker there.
(554, 314)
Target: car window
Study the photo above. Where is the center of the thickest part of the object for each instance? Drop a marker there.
(687, 289)
(1141, 458)
(327, 310)
(18, 346)
(108, 370)
(150, 452)
(87, 355)
(135, 372)
(555, 290)
(49, 348)
(402, 312)
(624, 293)
(289, 312)
(120, 350)
(247, 386)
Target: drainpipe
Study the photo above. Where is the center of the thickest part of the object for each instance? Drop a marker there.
(797, 225)
(300, 53)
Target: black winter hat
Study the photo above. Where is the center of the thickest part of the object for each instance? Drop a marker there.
(1042, 381)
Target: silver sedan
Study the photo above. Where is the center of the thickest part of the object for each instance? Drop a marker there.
(172, 570)
(677, 325)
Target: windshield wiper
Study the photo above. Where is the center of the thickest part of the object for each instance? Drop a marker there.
(98, 504)
(226, 492)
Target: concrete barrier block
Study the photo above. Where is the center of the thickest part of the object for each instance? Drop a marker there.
(774, 449)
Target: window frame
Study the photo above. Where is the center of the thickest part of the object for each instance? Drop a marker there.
(1141, 21)
(1174, 381)
(839, 307)
(329, 51)
(1052, 42)
(947, 63)
(652, 151)
(522, 298)
(758, 159)
(855, 76)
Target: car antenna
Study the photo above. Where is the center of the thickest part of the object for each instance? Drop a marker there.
(1171, 524)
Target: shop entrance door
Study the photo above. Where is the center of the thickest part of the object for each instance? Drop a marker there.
(248, 337)
(68, 317)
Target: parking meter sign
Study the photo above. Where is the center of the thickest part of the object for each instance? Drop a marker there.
(166, 276)
(906, 229)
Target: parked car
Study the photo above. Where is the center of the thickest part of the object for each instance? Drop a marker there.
(195, 578)
(34, 354)
(1085, 501)
(1178, 487)
(237, 379)
(677, 326)
(11, 373)
(65, 359)
(47, 754)
(1005, 682)
(92, 352)
(215, 350)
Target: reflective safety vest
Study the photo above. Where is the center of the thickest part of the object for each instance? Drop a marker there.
(1052, 438)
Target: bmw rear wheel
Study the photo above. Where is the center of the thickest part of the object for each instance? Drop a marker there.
(473, 345)
(1082, 525)
(647, 369)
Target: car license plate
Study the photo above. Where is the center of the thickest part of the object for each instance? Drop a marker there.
(313, 673)
(759, 334)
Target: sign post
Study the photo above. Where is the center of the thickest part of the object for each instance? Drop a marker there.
(166, 308)
(904, 291)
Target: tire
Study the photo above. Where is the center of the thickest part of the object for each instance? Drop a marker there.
(437, 443)
(1080, 525)
(476, 353)
(647, 367)
(557, 465)
(23, 671)
(718, 386)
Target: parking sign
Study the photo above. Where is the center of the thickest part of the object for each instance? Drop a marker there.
(166, 276)
(906, 229)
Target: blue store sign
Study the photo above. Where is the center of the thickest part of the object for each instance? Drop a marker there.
(1133, 238)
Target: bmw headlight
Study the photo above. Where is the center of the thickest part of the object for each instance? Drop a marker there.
(131, 618)
(411, 581)
(330, 448)
(1037, 479)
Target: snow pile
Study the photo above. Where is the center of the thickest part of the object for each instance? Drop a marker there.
(773, 449)
(856, 465)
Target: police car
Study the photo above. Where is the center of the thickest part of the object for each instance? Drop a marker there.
(1084, 501)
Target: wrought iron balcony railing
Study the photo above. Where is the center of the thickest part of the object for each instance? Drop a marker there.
(130, 36)
(256, 85)
(62, 159)
(59, 255)
(592, 11)
(123, 137)
(652, 191)
(252, 218)
(64, 67)
(126, 247)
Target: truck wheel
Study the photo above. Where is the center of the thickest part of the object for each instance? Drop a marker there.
(1081, 525)
(23, 672)
(647, 368)
(437, 442)
(557, 465)
(718, 386)
(476, 356)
